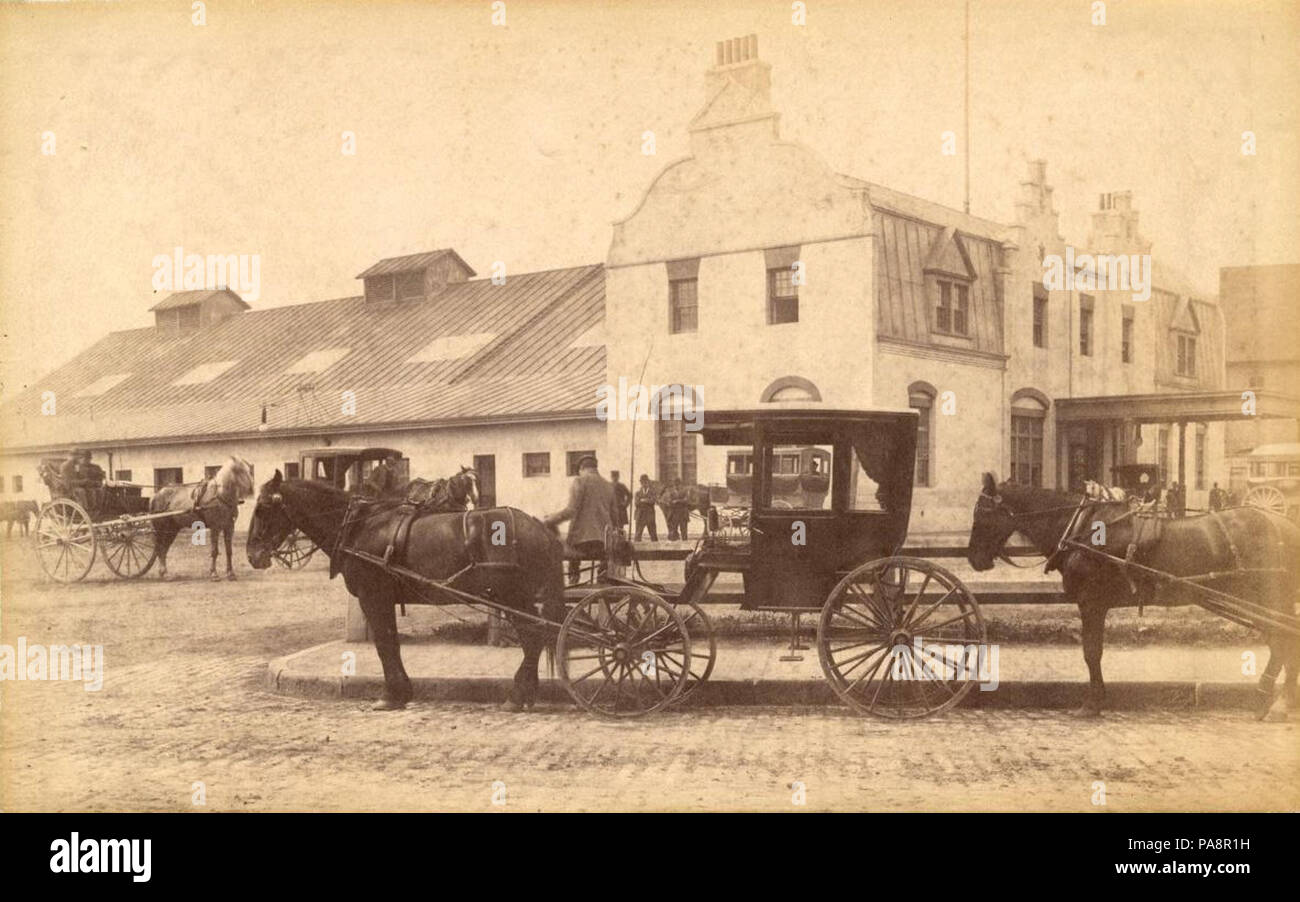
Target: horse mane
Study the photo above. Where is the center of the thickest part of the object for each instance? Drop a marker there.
(234, 478)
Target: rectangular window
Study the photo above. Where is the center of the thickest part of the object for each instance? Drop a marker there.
(209, 472)
(1085, 325)
(537, 463)
(740, 464)
(1027, 450)
(379, 288)
(122, 475)
(291, 469)
(571, 459)
(683, 305)
(1291, 470)
(952, 311)
(1040, 316)
(167, 476)
(782, 297)
(1200, 459)
(1126, 338)
(676, 451)
(18, 483)
(410, 285)
(1186, 355)
(923, 407)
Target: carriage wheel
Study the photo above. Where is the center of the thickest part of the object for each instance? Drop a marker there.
(128, 547)
(705, 649)
(612, 648)
(902, 638)
(1269, 497)
(65, 540)
(295, 551)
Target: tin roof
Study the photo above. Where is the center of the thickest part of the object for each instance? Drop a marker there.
(530, 369)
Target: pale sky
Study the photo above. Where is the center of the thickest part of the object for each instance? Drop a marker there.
(522, 143)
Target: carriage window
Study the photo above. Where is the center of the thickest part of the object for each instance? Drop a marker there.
(290, 469)
(122, 475)
(209, 472)
(800, 478)
(740, 464)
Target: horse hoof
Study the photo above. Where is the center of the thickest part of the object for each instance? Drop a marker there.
(387, 704)
(214, 578)
(512, 706)
(1087, 711)
(231, 576)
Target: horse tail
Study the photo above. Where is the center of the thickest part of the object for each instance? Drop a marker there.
(552, 595)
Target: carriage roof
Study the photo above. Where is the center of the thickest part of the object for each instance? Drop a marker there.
(369, 453)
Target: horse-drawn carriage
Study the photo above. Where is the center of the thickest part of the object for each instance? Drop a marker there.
(1273, 480)
(897, 636)
(344, 468)
(79, 522)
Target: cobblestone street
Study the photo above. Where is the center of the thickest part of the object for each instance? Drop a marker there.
(184, 702)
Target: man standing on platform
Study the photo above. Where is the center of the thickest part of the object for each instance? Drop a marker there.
(591, 507)
(645, 510)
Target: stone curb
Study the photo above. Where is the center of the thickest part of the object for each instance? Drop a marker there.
(1120, 696)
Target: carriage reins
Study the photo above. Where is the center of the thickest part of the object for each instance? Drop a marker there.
(996, 502)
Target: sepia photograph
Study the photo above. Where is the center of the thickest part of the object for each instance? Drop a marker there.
(572, 406)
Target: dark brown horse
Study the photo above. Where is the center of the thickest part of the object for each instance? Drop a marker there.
(214, 504)
(1254, 554)
(522, 570)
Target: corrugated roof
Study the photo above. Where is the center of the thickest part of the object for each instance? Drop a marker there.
(413, 262)
(186, 298)
(529, 369)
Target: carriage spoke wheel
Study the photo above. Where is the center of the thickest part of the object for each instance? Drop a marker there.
(704, 649)
(612, 649)
(128, 547)
(295, 551)
(902, 638)
(1269, 497)
(65, 541)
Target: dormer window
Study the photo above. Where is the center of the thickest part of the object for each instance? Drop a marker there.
(415, 276)
(949, 277)
(1185, 327)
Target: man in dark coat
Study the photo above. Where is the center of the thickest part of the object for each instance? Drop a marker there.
(622, 497)
(382, 480)
(645, 509)
(592, 508)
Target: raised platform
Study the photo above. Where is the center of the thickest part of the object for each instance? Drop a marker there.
(749, 673)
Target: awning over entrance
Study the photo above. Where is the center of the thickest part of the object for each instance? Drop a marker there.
(1124, 411)
(1177, 407)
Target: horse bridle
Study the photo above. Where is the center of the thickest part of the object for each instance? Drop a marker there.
(995, 502)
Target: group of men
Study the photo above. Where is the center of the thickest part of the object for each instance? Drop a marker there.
(676, 499)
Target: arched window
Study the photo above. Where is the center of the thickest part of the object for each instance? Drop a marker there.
(676, 414)
(1028, 415)
(791, 388)
(920, 397)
